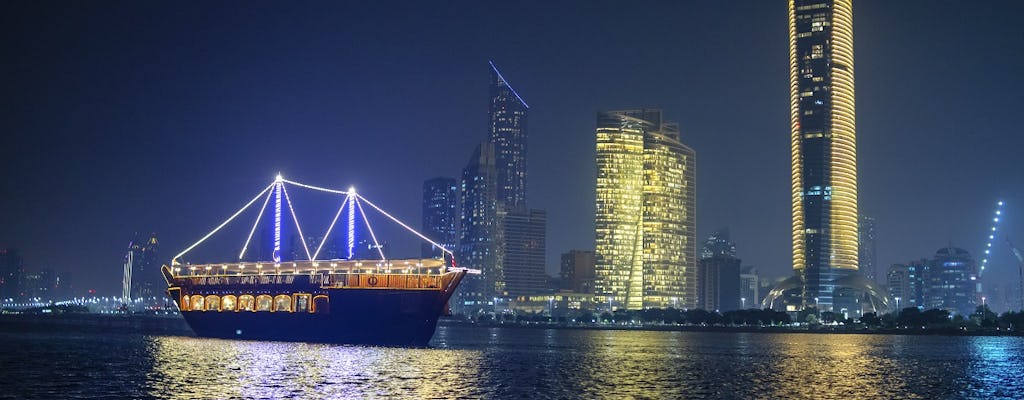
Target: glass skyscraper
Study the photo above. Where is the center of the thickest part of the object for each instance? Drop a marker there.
(508, 132)
(439, 201)
(823, 146)
(645, 249)
(479, 234)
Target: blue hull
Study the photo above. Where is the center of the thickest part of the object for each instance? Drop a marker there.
(358, 316)
(385, 316)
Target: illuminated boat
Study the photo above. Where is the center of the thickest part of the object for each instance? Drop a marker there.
(394, 302)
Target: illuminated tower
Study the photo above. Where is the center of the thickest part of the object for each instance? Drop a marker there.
(508, 132)
(823, 144)
(645, 249)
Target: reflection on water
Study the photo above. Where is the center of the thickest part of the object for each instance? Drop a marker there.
(189, 368)
(473, 362)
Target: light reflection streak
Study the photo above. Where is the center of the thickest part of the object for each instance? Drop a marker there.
(188, 368)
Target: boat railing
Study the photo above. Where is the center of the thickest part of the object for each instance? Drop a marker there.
(324, 279)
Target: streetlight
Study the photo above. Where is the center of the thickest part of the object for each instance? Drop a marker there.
(743, 300)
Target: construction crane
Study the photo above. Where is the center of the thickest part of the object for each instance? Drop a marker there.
(1020, 269)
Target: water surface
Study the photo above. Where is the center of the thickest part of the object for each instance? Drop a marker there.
(472, 362)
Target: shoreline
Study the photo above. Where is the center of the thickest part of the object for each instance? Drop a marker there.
(840, 330)
(175, 325)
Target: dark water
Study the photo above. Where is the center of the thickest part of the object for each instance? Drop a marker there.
(469, 362)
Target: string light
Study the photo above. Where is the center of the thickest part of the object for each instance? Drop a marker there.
(991, 237)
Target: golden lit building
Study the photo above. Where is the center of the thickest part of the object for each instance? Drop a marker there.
(645, 250)
(823, 146)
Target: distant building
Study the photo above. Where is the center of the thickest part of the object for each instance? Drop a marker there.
(907, 284)
(366, 249)
(523, 248)
(508, 133)
(11, 268)
(146, 280)
(577, 271)
(40, 284)
(479, 234)
(950, 281)
(718, 243)
(440, 196)
(867, 246)
(718, 283)
(645, 248)
(750, 288)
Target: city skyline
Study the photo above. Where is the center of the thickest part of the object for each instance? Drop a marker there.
(106, 151)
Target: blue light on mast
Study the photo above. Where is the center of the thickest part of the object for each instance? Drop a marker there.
(351, 222)
(277, 221)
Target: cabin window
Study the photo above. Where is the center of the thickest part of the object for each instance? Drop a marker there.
(302, 303)
(263, 302)
(197, 303)
(212, 303)
(283, 302)
(228, 303)
(321, 304)
(184, 306)
(246, 303)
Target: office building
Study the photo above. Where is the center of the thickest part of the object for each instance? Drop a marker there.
(480, 235)
(508, 133)
(440, 196)
(750, 288)
(523, 249)
(718, 283)
(867, 248)
(11, 269)
(645, 248)
(577, 271)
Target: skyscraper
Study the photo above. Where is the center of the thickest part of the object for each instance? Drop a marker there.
(645, 249)
(523, 249)
(439, 201)
(11, 268)
(718, 283)
(145, 267)
(508, 116)
(479, 233)
(950, 281)
(823, 146)
(866, 247)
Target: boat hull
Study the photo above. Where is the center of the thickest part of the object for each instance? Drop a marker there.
(357, 316)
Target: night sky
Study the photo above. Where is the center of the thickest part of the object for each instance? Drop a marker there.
(166, 117)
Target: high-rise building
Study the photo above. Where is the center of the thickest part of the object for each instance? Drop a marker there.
(950, 281)
(718, 243)
(508, 116)
(11, 268)
(645, 249)
(866, 247)
(479, 233)
(906, 283)
(718, 283)
(823, 146)
(439, 214)
(750, 288)
(577, 271)
(146, 280)
(524, 248)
